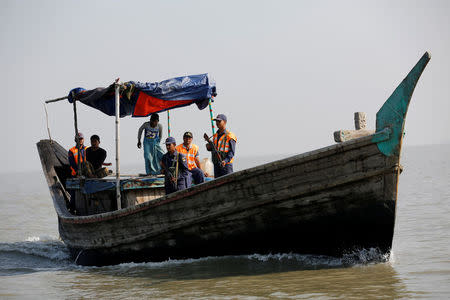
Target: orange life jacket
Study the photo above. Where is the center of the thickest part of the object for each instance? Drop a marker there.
(223, 144)
(190, 154)
(74, 151)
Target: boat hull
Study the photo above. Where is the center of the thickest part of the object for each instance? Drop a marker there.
(329, 201)
(368, 227)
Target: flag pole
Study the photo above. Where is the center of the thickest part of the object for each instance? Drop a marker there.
(117, 98)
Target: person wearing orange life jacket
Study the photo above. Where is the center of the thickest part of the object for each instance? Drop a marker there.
(225, 143)
(191, 151)
(73, 154)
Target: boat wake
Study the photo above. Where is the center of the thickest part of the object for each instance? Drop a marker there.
(356, 257)
(255, 264)
(33, 255)
(37, 254)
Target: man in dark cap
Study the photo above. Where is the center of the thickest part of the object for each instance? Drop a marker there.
(191, 151)
(223, 147)
(174, 167)
(74, 155)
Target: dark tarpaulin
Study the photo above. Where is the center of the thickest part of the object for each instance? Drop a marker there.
(142, 99)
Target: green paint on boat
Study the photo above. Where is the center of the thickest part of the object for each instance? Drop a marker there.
(393, 112)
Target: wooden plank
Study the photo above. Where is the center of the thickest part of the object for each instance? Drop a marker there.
(347, 135)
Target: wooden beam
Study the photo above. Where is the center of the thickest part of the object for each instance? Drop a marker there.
(360, 130)
(347, 135)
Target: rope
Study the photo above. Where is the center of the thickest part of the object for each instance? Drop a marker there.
(79, 253)
(46, 118)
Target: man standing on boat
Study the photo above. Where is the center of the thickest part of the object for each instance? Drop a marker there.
(73, 154)
(175, 168)
(191, 151)
(152, 149)
(223, 147)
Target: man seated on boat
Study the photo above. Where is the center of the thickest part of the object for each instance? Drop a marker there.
(152, 149)
(96, 156)
(223, 147)
(191, 151)
(73, 154)
(174, 167)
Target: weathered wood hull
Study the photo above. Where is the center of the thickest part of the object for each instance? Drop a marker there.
(328, 201)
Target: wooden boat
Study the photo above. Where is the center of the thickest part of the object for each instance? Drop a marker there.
(328, 201)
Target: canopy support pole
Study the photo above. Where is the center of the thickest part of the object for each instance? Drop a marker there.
(211, 115)
(77, 138)
(58, 99)
(117, 96)
(168, 123)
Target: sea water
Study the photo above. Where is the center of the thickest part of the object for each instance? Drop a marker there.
(34, 263)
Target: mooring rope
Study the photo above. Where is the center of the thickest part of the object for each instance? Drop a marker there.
(79, 253)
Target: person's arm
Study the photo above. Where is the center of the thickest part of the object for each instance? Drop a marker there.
(102, 156)
(230, 153)
(183, 162)
(209, 142)
(72, 161)
(163, 167)
(140, 134)
(197, 160)
(160, 127)
(103, 161)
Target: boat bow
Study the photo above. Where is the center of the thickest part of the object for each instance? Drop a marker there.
(393, 112)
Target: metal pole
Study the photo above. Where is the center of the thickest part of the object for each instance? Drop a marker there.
(168, 123)
(117, 88)
(211, 115)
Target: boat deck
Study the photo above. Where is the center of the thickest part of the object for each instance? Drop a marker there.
(98, 195)
(94, 185)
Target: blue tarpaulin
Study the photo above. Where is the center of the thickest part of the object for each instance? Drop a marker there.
(142, 99)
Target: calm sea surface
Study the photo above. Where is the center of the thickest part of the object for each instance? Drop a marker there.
(34, 262)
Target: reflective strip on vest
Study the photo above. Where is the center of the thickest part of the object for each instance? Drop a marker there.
(223, 144)
(190, 155)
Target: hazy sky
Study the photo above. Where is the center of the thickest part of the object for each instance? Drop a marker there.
(288, 73)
